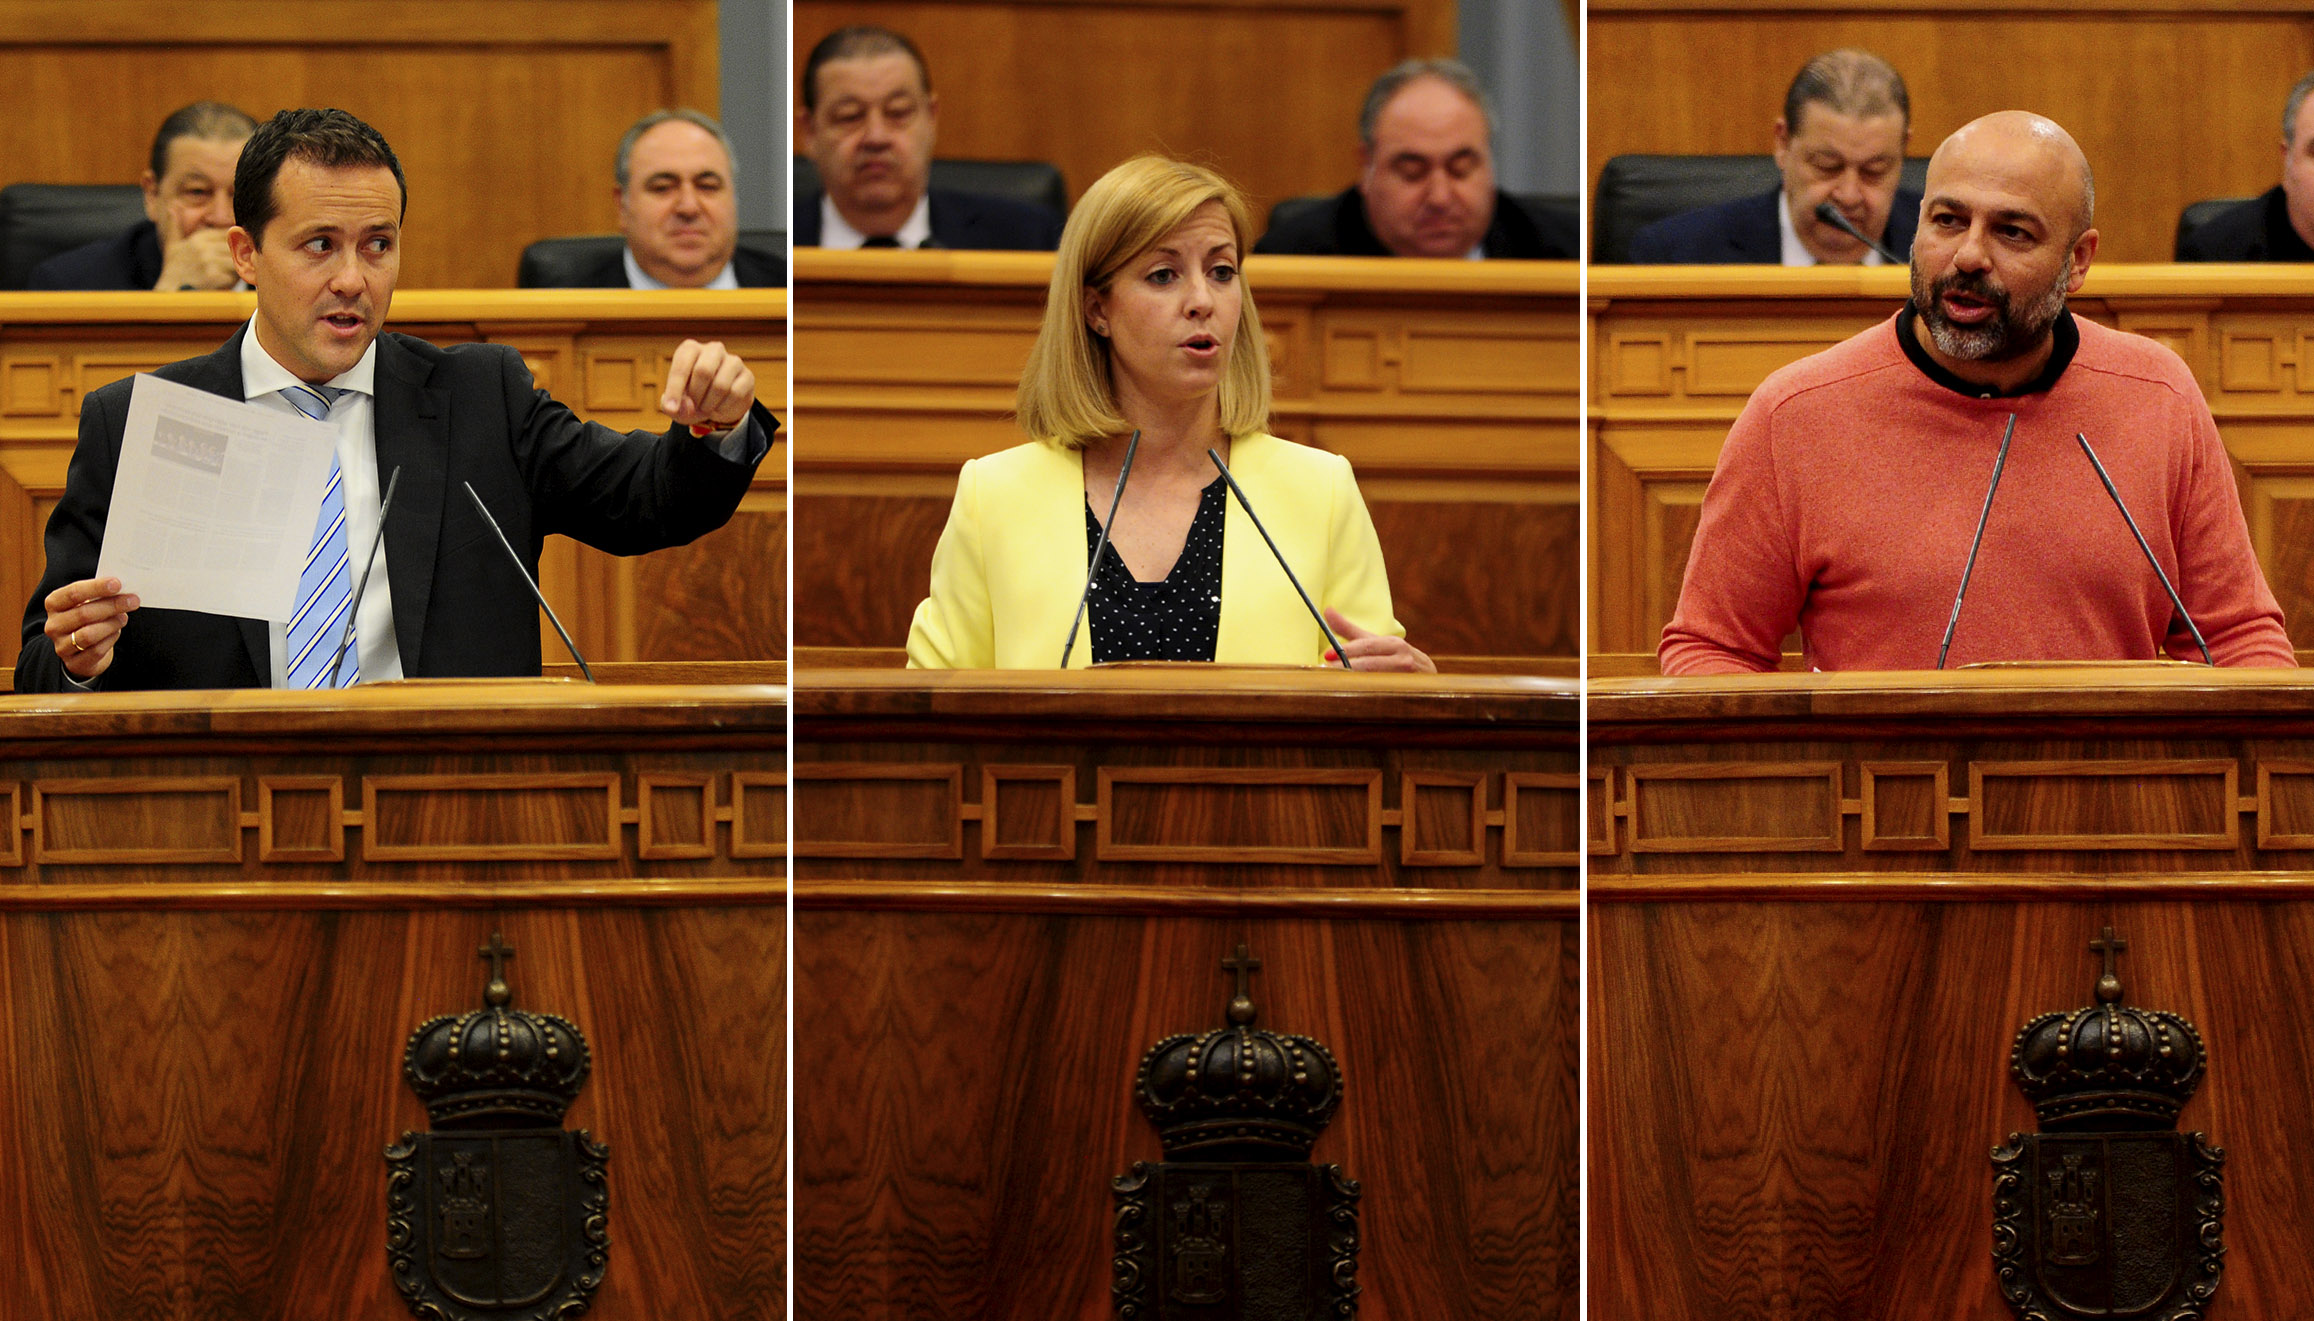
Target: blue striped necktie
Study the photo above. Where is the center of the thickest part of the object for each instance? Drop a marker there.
(325, 589)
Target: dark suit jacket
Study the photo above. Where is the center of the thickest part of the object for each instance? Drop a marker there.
(2257, 230)
(1341, 230)
(463, 414)
(756, 270)
(1745, 231)
(130, 259)
(960, 220)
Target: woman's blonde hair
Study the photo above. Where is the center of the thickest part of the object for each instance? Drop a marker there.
(1065, 395)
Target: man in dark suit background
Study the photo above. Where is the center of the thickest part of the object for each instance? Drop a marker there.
(1841, 139)
(1425, 181)
(678, 212)
(180, 244)
(868, 122)
(2276, 224)
(320, 198)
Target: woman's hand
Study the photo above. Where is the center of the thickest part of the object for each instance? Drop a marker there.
(1375, 651)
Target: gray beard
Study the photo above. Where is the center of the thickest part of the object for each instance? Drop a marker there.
(2005, 336)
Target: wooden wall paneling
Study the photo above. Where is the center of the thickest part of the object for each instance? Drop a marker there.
(1000, 66)
(970, 1099)
(722, 598)
(1676, 353)
(2197, 116)
(506, 130)
(196, 1101)
(1452, 390)
(1792, 1100)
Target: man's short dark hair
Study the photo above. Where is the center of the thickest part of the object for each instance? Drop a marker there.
(332, 139)
(1454, 73)
(202, 119)
(2298, 93)
(857, 42)
(1856, 83)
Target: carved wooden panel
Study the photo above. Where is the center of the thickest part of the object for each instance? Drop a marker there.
(1201, 814)
(867, 810)
(1540, 820)
(1906, 805)
(2067, 805)
(675, 816)
(137, 820)
(1735, 807)
(445, 818)
(300, 818)
(999, 1050)
(1028, 812)
(759, 814)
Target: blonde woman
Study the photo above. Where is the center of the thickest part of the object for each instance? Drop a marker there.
(1149, 327)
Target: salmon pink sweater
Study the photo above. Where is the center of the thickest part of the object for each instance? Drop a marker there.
(1847, 493)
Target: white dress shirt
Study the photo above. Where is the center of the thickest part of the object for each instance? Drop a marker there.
(1796, 253)
(355, 417)
(836, 233)
(727, 278)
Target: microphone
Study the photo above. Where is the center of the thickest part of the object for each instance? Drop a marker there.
(1830, 215)
(362, 584)
(1102, 543)
(516, 561)
(1243, 503)
(2174, 599)
(2000, 461)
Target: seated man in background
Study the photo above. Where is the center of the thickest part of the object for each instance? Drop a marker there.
(1840, 140)
(1857, 488)
(678, 212)
(2277, 225)
(1425, 181)
(320, 198)
(868, 121)
(188, 207)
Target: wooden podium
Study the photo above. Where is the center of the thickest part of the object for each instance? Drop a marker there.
(1823, 906)
(222, 915)
(1011, 884)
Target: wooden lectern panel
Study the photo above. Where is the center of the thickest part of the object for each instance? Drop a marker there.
(1676, 352)
(1011, 885)
(1822, 908)
(1450, 387)
(223, 914)
(602, 353)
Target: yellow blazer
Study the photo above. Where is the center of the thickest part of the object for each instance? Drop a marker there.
(1012, 561)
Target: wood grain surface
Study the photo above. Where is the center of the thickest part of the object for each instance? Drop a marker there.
(1792, 1102)
(1450, 387)
(603, 353)
(1187, 776)
(969, 1099)
(1676, 352)
(196, 1102)
(2173, 101)
(1001, 66)
(507, 129)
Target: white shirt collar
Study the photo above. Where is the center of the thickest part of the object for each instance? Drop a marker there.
(835, 232)
(261, 375)
(727, 278)
(1796, 253)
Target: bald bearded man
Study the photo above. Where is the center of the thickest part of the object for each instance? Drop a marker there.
(1849, 490)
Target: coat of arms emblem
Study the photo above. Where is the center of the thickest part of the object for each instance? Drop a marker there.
(2108, 1211)
(498, 1212)
(1236, 1224)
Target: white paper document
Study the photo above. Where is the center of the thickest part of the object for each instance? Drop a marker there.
(214, 501)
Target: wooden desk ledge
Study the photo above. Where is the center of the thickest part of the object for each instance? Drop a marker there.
(949, 896)
(1268, 696)
(425, 706)
(411, 306)
(2035, 691)
(1423, 276)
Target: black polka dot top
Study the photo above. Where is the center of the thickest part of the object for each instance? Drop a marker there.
(1176, 618)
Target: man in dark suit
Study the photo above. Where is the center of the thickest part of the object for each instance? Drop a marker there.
(2275, 225)
(868, 121)
(320, 198)
(1841, 140)
(678, 213)
(180, 244)
(1425, 181)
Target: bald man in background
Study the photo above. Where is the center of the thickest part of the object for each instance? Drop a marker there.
(1848, 492)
